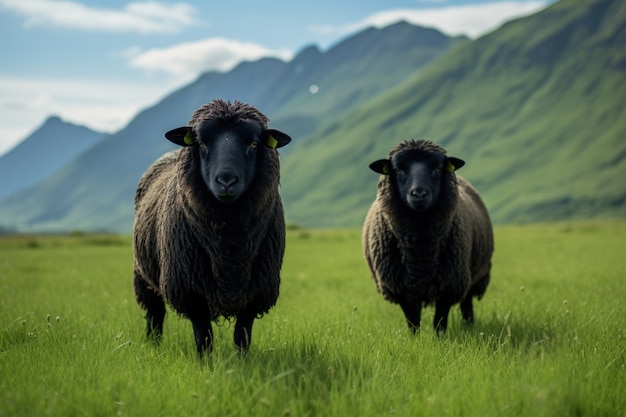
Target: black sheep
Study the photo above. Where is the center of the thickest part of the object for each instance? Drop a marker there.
(209, 230)
(427, 237)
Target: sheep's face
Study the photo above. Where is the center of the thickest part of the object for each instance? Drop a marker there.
(417, 176)
(228, 158)
(228, 153)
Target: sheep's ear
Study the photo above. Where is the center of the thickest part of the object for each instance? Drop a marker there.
(275, 138)
(452, 164)
(182, 136)
(382, 166)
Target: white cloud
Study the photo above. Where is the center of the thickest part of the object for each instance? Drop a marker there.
(472, 20)
(191, 58)
(144, 17)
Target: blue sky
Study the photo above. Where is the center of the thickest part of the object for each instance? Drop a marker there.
(97, 63)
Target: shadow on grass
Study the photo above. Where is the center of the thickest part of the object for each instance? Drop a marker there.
(297, 376)
(504, 333)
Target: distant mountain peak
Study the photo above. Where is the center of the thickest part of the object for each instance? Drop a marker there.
(54, 119)
(48, 148)
(306, 53)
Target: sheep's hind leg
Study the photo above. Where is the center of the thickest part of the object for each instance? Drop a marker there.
(203, 332)
(413, 314)
(467, 309)
(243, 329)
(154, 305)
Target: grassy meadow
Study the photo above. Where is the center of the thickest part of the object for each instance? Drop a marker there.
(549, 336)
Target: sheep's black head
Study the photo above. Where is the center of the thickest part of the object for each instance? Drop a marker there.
(228, 138)
(417, 169)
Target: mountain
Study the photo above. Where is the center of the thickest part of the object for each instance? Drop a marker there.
(349, 74)
(536, 108)
(48, 148)
(95, 191)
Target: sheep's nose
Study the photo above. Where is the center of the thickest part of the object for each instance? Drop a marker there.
(226, 180)
(419, 192)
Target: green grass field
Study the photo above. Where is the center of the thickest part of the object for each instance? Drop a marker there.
(549, 338)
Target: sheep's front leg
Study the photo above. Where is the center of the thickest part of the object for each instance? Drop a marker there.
(243, 329)
(413, 314)
(203, 332)
(442, 309)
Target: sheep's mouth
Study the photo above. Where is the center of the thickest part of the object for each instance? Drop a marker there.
(418, 204)
(227, 198)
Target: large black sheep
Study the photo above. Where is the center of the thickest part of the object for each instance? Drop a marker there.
(427, 237)
(209, 230)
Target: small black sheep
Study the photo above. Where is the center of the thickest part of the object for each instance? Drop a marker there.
(209, 230)
(427, 237)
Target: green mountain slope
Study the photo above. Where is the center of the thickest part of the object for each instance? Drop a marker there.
(361, 67)
(352, 72)
(536, 109)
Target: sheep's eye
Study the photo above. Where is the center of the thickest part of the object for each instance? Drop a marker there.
(436, 171)
(254, 145)
(201, 145)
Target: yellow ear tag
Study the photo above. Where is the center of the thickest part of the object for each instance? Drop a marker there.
(188, 139)
(386, 169)
(271, 142)
(450, 167)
